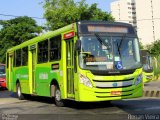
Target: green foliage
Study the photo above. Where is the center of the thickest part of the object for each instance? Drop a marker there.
(148, 47)
(156, 72)
(63, 12)
(156, 63)
(141, 46)
(155, 48)
(155, 52)
(16, 31)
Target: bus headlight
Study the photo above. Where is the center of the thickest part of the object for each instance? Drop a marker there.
(139, 79)
(85, 81)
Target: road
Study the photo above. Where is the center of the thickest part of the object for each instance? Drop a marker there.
(153, 85)
(39, 108)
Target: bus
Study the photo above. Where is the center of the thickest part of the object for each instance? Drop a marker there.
(86, 61)
(148, 73)
(2, 76)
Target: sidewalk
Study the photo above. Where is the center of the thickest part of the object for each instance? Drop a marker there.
(152, 89)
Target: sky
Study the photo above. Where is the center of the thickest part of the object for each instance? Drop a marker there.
(33, 8)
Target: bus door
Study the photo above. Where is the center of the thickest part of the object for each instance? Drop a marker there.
(70, 67)
(10, 73)
(33, 63)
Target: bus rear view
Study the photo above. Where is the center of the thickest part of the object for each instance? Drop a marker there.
(109, 64)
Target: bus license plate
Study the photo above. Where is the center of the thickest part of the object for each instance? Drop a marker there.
(115, 92)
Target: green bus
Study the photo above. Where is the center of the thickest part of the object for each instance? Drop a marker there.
(85, 61)
(148, 73)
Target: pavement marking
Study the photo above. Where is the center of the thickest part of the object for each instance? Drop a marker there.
(151, 93)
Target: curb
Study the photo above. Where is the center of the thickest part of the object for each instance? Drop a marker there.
(156, 80)
(152, 93)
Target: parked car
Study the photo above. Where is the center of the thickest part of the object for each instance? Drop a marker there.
(2, 76)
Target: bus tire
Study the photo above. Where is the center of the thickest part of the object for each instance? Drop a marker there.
(58, 101)
(19, 92)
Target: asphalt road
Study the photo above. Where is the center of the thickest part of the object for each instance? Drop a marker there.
(153, 85)
(40, 108)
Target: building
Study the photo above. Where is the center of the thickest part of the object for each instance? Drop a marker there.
(144, 15)
(148, 20)
(124, 11)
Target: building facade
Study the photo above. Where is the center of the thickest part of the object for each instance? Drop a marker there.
(124, 11)
(145, 17)
(148, 20)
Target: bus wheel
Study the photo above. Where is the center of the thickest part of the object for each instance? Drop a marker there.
(19, 93)
(58, 101)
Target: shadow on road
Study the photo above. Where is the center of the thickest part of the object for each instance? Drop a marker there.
(141, 106)
(70, 103)
(3, 89)
(88, 105)
(129, 106)
(4, 93)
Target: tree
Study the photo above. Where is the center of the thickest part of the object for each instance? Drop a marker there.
(148, 47)
(141, 45)
(63, 12)
(155, 49)
(16, 31)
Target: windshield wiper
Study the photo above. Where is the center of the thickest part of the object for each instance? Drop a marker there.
(100, 40)
(119, 46)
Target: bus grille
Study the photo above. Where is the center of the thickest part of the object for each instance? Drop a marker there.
(113, 83)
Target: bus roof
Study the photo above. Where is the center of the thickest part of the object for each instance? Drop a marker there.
(103, 22)
(42, 37)
(63, 29)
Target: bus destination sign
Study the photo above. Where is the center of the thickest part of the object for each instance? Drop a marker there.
(109, 29)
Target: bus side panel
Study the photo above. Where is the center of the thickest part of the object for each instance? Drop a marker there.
(21, 74)
(42, 86)
(8, 83)
(9, 74)
(44, 77)
(57, 74)
(13, 81)
(7, 79)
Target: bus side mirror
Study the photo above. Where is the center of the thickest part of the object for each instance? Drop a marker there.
(78, 45)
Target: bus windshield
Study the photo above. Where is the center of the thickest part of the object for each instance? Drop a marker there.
(146, 60)
(109, 53)
(147, 64)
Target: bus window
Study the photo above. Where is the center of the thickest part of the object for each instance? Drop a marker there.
(7, 60)
(24, 56)
(43, 51)
(18, 58)
(55, 48)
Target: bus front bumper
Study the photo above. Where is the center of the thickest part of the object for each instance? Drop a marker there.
(148, 78)
(87, 94)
